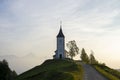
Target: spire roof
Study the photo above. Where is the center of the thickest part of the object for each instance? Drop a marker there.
(60, 34)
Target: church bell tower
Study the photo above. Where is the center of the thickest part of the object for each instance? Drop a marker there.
(60, 52)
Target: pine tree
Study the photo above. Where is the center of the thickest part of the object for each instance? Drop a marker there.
(84, 57)
(92, 58)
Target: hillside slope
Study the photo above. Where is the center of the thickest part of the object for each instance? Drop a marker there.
(54, 70)
(111, 74)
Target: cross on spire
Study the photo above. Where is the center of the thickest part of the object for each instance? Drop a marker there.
(60, 24)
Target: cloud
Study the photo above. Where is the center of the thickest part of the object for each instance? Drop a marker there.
(32, 25)
(95, 17)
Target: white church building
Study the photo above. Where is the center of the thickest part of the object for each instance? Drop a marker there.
(60, 52)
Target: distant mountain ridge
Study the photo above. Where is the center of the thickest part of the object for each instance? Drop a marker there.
(21, 64)
(8, 57)
(30, 55)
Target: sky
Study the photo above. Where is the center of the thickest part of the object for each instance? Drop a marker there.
(31, 26)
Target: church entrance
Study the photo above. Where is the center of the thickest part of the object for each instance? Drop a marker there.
(60, 56)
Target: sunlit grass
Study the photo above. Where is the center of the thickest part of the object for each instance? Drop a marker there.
(54, 70)
(105, 73)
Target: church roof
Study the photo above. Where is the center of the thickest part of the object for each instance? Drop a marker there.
(60, 34)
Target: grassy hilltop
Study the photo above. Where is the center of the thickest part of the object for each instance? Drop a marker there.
(64, 70)
(54, 70)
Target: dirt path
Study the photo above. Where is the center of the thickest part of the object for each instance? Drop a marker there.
(91, 74)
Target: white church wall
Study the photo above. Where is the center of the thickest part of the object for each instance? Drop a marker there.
(60, 47)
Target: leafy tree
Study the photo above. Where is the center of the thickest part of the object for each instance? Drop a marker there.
(5, 71)
(5, 62)
(67, 53)
(92, 58)
(84, 57)
(73, 49)
(13, 75)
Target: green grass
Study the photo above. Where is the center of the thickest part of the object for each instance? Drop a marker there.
(107, 72)
(54, 70)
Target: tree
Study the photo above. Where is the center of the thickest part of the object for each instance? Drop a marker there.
(92, 58)
(5, 72)
(73, 49)
(67, 53)
(84, 57)
(5, 62)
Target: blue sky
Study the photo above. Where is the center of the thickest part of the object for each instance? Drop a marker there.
(31, 26)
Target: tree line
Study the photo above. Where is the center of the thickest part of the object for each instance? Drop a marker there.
(5, 72)
(74, 50)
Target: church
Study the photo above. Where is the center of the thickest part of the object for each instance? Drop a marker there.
(60, 52)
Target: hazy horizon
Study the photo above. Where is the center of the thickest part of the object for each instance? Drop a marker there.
(31, 26)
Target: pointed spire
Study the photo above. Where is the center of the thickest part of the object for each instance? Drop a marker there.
(60, 34)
